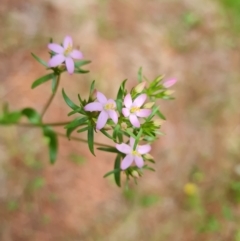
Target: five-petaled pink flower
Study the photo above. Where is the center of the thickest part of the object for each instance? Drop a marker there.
(132, 155)
(107, 108)
(169, 83)
(64, 53)
(133, 110)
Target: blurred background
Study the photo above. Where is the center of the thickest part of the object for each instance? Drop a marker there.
(195, 192)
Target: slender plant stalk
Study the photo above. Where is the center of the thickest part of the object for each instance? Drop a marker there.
(82, 140)
(50, 99)
(41, 124)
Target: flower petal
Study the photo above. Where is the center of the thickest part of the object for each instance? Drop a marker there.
(56, 48)
(56, 60)
(67, 42)
(69, 65)
(143, 149)
(101, 98)
(124, 148)
(134, 120)
(76, 54)
(140, 100)
(144, 112)
(102, 120)
(128, 101)
(132, 141)
(125, 112)
(169, 83)
(139, 161)
(127, 161)
(94, 106)
(113, 115)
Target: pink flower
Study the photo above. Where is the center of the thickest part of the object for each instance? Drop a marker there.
(107, 108)
(65, 53)
(169, 83)
(132, 155)
(133, 110)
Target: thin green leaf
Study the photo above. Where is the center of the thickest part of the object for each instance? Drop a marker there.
(117, 175)
(81, 71)
(160, 115)
(108, 149)
(42, 80)
(112, 172)
(140, 75)
(53, 143)
(121, 91)
(40, 60)
(75, 124)
(106, 134)
(91, 138)
(83, 129)
(68, 101)
(32, 115)
(80, 63)
(137, 139)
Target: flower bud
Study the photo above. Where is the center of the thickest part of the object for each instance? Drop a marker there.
(123, 125)
(140, 87)
(158, 122)
(107, 127)
(169, 83)
(135, 174)
(149, 105)
(148, 157)
(169, 92)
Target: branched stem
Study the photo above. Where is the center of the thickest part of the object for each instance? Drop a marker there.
(42, 124)
(82, 140)
(50, 99)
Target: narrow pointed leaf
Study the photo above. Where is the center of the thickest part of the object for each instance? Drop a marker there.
(42, 80)
(32, 115)
(117, 175)
(52, 144)
(68, 101)
(40, 60)
(91, 138)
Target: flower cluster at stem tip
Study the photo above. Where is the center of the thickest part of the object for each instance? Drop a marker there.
(132, 120)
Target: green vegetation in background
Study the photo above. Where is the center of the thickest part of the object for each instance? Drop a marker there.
(232, 10)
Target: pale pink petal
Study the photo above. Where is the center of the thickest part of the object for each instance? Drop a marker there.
(113, 115)
(124, 148)
(126, 112)
(101, 98)
(134, 120)
(67, 42)
(76, 54)
(56, 48)
(143, 149)
(56, 60)
(169, 83)
(144, 112)
(69, 65)
(132, 141)
(139, 161)
(140, 100)
(128, 101)
(102, 120)
(94, 106)
(127, 161)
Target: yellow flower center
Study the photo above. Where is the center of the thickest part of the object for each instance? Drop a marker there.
(68, 50)
(134, 109)
(135, 153)
(109, 106)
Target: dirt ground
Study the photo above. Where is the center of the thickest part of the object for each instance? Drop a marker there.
(190, 40)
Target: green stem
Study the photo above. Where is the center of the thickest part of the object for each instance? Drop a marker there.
(50, 99)
(41, 124)
(82, 140)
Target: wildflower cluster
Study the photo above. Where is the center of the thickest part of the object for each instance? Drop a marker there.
(132, 120)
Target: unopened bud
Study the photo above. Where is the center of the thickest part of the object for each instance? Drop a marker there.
(123, 125)
(169, 83)
(158, 122)
(107, 127)
(140, 87)
(148, 157)
(94, 94)
(169, 92)
(149, 105)
(135, 174)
